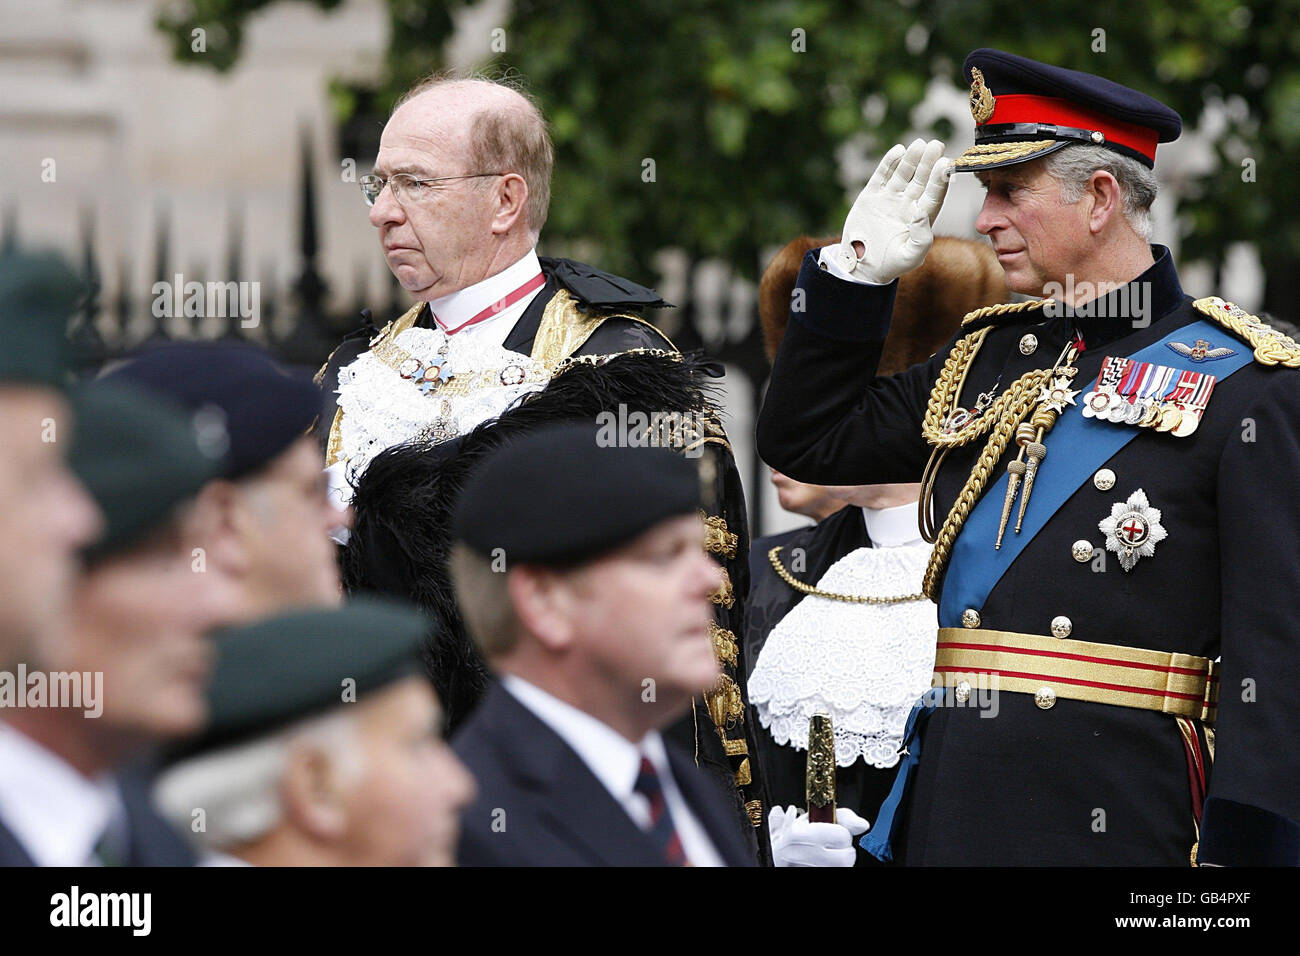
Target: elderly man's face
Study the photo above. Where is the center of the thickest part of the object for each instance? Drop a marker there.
(435, 245)
(643, 612)
(285, 530)
(1038, 239)
(405, 807)
(45, 517)
(141, 618)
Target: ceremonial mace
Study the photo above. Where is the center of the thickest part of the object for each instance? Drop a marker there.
(819, 779)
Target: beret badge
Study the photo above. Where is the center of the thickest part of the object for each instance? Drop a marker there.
(981, 98)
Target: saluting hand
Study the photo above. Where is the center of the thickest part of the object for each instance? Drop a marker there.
(888, 230)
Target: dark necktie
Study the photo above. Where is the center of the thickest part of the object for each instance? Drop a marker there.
(662, 832)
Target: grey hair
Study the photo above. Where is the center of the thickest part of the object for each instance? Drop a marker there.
(238, 787)
(1072, 167)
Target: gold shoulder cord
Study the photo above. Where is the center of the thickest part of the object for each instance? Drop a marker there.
(942, 431)
(1271, 346)
(775, 557)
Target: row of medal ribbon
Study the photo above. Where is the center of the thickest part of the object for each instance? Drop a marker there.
(1147, 395)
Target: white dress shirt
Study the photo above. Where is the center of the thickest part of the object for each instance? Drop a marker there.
(616, 763)
(455, 309)
(56, 813)
(893, 527)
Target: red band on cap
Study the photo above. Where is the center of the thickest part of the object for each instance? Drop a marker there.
(1027, 108)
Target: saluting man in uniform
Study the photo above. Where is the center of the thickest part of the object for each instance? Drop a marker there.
(1101, 465)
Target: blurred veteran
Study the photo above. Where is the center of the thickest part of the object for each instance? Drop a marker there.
(45, 514)
(129, 673)
(580, 573)
(269, 510)
(325, 746)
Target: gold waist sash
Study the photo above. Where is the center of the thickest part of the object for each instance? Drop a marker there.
(1179, 684)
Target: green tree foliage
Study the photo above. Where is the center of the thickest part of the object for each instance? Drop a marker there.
(743, 105)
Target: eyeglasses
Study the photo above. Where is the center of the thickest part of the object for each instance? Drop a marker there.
(406, 188)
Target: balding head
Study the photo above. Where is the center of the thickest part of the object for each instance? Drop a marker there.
(468, 164)
(497, 126)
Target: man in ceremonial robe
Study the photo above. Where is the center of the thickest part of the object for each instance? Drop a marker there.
(459, 196)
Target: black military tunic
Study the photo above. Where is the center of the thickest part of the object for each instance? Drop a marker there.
(1082, 782)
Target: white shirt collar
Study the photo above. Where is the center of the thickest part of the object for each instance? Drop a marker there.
(56, 813)
(892, 527)
(616, 763)
(615, 760)
(453, 310)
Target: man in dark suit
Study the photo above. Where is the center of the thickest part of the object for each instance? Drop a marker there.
(595, 614)
(129, 672)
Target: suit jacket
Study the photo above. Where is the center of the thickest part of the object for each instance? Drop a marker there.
(151, 840)
(1083, 782)
(554, 810)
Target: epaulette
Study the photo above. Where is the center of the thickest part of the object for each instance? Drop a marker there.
(592, 287)
(1271, 346)
(993, 313)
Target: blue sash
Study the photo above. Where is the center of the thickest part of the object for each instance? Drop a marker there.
(1082, 446)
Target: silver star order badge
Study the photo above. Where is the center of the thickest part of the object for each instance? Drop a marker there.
(1057, 395)
(1133, 529)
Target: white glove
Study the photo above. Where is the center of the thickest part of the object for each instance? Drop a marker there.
(893, 215)
(797, 842)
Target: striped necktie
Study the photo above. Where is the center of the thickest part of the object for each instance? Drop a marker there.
(661, 832)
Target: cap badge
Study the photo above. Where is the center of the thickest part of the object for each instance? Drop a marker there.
(981, 98)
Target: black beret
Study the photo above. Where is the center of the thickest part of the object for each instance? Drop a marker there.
(293, 665)
(39, 292)
(139, 457)
(263, 406)
(1024, 109)
(558, 497)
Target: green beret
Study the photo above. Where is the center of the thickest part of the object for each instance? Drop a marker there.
(139, 457)
(38, 295)
(293, 665)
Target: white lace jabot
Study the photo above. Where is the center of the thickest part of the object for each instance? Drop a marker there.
(382, 409)
(863, 664)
